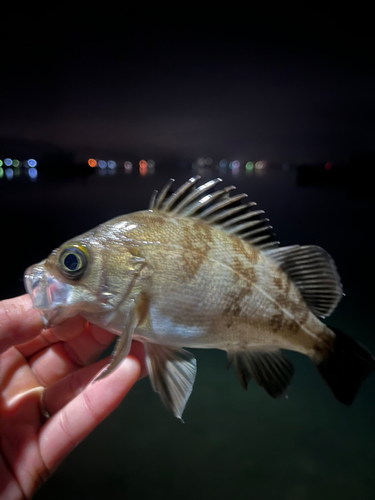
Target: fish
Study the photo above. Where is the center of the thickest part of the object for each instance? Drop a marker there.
(201, 268)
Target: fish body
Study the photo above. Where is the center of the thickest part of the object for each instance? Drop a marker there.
(201, 270)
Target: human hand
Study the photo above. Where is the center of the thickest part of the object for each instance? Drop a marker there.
(47, 406)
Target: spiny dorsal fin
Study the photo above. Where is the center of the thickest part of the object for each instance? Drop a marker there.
(314, 273)
(218, 209)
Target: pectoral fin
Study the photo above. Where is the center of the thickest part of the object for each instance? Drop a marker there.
(123, 343)
(270, 369)
(172, 373)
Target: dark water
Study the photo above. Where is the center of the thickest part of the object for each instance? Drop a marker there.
(234, 444)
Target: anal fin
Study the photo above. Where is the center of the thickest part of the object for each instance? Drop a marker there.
(172, 373)
(270, 369)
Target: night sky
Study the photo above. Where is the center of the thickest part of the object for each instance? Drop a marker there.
(286, 86)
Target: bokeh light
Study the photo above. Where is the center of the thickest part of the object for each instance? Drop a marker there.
(102, 163)
(235, 165)
(15, 163)
(93, 163)
(201, 162)
(9, 173)
(223, 163)
(32, 163)
(259, 165)
(328, 165)
(8, 162)
(1, 163)
(1, 173)
(249, 166)
(143, 167)
(128, 166)
(33, 173)
(208, 161)
(111, 164)
(151, 164)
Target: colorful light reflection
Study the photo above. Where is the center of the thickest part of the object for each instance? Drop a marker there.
(33, 173)
(143, 167)
(128, 166)
(9, 173)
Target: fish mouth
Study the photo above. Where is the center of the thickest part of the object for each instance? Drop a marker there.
(48, 295)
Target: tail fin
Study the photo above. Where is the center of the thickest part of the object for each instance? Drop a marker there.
(345, 367)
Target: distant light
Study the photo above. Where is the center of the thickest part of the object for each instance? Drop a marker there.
(92, 163)
(143, 167)
(151, 164)
(208, 161)
(259, 165)
(15, 163)
(201, 162)
(249, 166)
(1, 173)
(102, 163)
(8, 162)
(328, 165)
(9, 173)
(235, 165)
(111, 164)
(32, 163)
(33, 173)
(128, 166)
(223, 163)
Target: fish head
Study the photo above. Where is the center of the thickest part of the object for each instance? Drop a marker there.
(63, 285)
(81, 276)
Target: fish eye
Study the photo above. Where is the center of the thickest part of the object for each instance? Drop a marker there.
(73, 262)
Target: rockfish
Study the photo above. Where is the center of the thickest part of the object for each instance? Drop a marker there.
(201, 269)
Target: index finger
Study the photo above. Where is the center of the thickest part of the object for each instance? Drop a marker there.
(19, 322)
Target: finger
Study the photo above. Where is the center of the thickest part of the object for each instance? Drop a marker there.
(15, 376)
(58, 360)
(61, 392)
(19, 322)
(69, 329)
(67, 428)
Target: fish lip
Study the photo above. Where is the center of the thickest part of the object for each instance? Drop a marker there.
(49, 296)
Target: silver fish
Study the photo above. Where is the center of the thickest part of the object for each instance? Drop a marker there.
(200, 269)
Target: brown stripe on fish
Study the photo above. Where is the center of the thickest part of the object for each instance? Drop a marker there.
(246, 271)
(240, 247)
(233, 302)
(197, 242)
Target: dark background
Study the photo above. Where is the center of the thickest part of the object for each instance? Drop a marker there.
(292, 87)
(287, 84)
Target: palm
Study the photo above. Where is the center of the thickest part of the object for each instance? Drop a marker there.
(32, 446)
